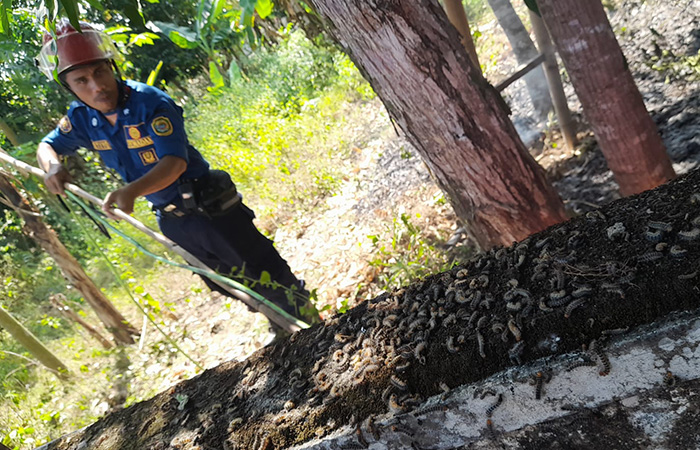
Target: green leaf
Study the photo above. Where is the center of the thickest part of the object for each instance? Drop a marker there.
(247, 17)
(154, 74)
(180, 36)
(234, 72)
(133, 12)
(153, 303)
(247, 4)
(182, 40)
(265, 278)
(216, 78)
(532, 5)
(5, 11)
(264, 8)
(143, 39)
(96, 4)
(71, 8)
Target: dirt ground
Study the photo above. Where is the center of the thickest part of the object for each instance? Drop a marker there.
(265, 403)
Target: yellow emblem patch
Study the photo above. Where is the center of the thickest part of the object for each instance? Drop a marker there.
(148, 156)
(134, 132)
(162, 126)
(64, 125)
(101, 145)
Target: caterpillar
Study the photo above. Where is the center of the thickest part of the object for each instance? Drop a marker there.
(573, 305)
(514, 330)
(661, 226)
(430, 409)
(480, 341)
(496, 404)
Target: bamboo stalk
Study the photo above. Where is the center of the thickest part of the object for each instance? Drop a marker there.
(458, 18)
(32, 344)
(556, 88)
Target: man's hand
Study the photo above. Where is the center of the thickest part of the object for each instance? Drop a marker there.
(122, 198)
(56, 177)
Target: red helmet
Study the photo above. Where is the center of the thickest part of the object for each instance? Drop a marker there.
(70, 48)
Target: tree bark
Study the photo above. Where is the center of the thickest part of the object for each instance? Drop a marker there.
(611, 101)
(458, 18)
(525, 51)
(32, 344)
(457, 121)
(71, 269)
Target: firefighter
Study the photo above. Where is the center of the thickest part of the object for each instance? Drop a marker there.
(139, 131)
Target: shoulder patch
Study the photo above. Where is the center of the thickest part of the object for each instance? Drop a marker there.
(64, 125)
(162, 126)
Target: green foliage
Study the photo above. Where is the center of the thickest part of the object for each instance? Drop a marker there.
(475, 9)
(294, 71)
(273, 132)
(405, 254)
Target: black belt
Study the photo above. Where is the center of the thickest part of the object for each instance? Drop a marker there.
(173, 210)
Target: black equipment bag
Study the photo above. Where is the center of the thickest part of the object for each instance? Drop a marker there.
(216, 193)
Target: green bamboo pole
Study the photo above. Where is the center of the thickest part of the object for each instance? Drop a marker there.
(32, 344)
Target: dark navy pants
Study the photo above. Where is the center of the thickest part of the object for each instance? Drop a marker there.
(230, 243)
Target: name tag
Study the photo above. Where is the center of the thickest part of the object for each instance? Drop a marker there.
(101, 145)
(140, 142)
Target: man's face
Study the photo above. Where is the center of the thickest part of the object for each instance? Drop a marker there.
(95, 86)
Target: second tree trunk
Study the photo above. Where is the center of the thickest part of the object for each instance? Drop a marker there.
(627, 135)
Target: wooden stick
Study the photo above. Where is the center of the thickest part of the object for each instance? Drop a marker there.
(520, 72)
(57, 300)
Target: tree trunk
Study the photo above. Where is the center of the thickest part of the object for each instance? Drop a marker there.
(611, 101)
(457, 121)
(458, 18)
(71, 269)
(524, 51)
(32, 344)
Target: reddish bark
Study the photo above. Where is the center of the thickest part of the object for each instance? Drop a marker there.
(611, 101)
(414, 61)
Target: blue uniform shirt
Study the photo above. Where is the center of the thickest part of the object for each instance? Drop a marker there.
(149, 126)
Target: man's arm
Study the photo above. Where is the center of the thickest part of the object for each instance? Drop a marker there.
(56, 174)
(163, 174)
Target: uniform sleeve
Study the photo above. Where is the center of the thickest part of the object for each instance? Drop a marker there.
(65, 138)
(167, 129)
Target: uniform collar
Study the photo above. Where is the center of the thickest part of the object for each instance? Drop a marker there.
(98, 119)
